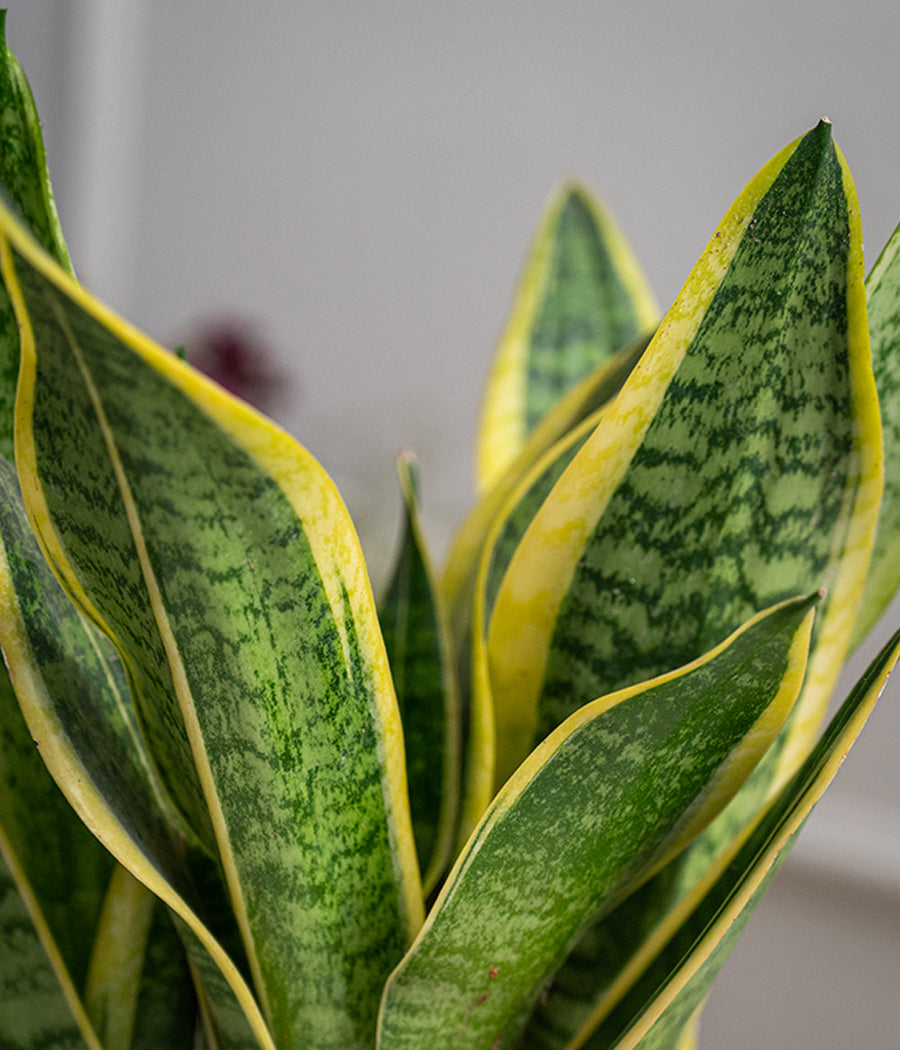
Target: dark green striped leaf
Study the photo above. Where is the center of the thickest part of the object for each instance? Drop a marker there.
(684, 957)
(883, 288)
(661, 578)
(418, 647)
(740, 463)
(53, 875)
(582, 297)
(25, 184)
(36, 1008)
(71, 687)
(221, 562)
(605, 800)
(481, 554)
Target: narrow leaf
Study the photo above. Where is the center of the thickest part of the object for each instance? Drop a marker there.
(25, 184)
(39, 1007)
(139, 992)
(883, 288)
(52, 877)
(599, 805)
(686, 959)
(220, 560)
(754, 465)
(416, 637)
(581, 298)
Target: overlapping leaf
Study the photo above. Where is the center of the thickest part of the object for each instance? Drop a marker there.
(71, 687)
(581, 298)
(53, 874)
(683, 958)
(218, 557)
(26, 185)
(739, 463)
(139, 994)
(669, 547)
(883, 296)
(604, 801)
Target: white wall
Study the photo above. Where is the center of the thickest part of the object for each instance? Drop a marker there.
(363, 180)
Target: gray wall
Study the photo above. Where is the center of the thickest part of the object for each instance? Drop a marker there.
(362, 181)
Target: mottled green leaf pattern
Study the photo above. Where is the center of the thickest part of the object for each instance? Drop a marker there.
(883, 287)
(26, 185)
(233, 568)
(755, 474)
(582, 297)
(34, 1012)
(679, 973)
(594, 809)
(72, 690)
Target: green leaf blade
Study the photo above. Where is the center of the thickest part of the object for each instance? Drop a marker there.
(229, 562)
(597, 807)
(883, 296)
(679, 973)
(739, 463)
(24, 183)
(416, 638)
(582, 297)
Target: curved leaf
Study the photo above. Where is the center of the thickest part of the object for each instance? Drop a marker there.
(228, 576)
(24, 183)
(883, 294)
(38, 1005)
(581, 298)
(740, 463)
(612, 794)
(52, 879)
(71, 689)
(682, 959)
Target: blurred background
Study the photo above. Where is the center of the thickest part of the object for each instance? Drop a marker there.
(352, 188)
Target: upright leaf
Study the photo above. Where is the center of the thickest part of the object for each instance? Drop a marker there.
(740, 463)
(883, 293)
(416, 637)
(220, 560)
(24, 183)
(37, 1009)
(581, 298)
(600, 804)
(52, 879)
(139, 993)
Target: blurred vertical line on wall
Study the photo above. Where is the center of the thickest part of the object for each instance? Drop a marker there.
(105, 110)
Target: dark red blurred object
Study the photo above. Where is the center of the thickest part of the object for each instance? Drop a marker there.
(235, 355)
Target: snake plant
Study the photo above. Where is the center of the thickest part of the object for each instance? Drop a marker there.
(527, 802)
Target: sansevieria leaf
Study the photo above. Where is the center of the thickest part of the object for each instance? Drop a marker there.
(217, 556)
(740, 463)
(682, 960)
(26, 186)
(53, 875)
(604, 801)
(883, 295)
(697, 546)
(139, 993)
(581, 298)
(416, 637)
(72, 691)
